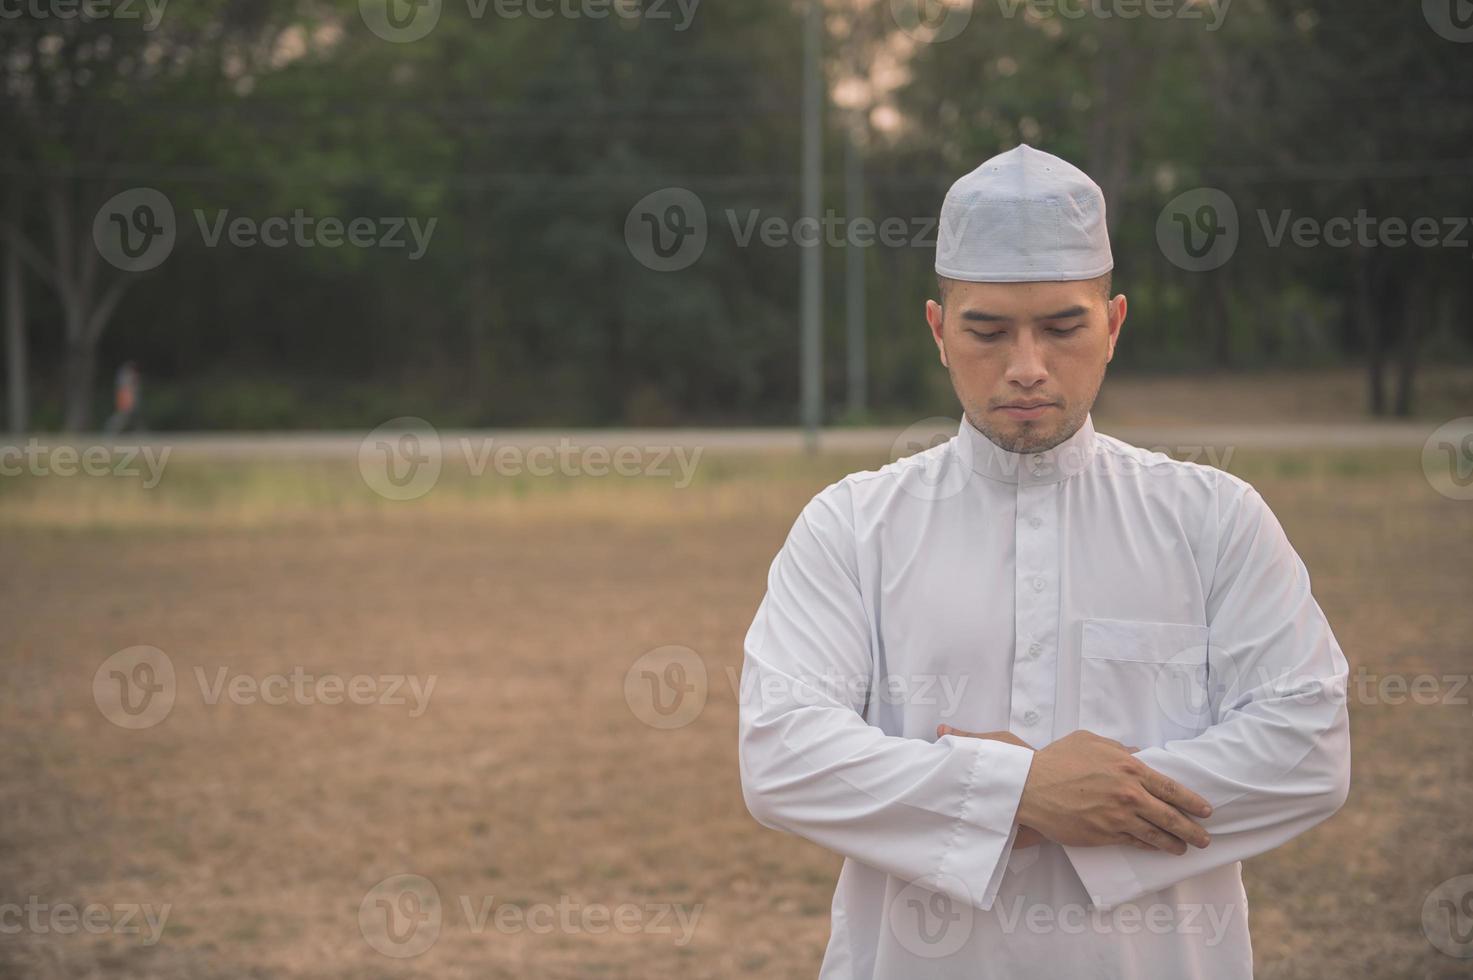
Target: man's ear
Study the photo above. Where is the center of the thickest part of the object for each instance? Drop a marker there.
(935, 318)
(1117, 311)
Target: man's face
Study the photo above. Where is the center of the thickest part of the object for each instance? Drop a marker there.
(1026, 358)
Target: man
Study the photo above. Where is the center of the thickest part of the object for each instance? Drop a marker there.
(125, 399)
(1043, 690)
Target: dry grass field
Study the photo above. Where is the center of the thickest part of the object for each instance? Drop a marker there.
(526, 783)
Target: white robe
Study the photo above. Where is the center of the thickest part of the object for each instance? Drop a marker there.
(1096, 586)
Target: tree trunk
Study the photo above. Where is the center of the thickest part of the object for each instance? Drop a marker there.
(1411, 335)
(1221, 300)
(1389, 311)
(73, 271)
(81, 374)
(1367, 310)
(1111, 130)
(1272, 328)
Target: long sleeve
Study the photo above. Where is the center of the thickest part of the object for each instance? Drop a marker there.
(937, 813)
(1275, 761)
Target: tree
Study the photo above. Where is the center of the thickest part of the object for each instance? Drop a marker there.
(76, 92)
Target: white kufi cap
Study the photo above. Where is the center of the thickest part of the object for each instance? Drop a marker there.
(1024, 216)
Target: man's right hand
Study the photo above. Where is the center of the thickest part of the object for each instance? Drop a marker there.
(1086, 790)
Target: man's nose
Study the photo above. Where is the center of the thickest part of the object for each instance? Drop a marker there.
(1025, 364)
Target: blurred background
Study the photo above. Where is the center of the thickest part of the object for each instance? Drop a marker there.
(480, 353)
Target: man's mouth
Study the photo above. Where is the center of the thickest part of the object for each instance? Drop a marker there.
(1025, 410)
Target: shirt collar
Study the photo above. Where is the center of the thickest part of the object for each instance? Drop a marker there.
(1069, 458)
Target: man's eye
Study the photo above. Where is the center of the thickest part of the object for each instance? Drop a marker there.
(988, 336)
(1066, 331)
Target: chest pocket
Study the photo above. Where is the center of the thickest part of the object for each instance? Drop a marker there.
(1143, 683)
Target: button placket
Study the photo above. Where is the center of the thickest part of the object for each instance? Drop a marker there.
(1036, 610)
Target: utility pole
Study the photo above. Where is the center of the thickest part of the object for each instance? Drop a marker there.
(854, 258)
(811, 294)
(17, 415)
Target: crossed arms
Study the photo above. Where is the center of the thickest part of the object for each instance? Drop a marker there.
(1274, 762)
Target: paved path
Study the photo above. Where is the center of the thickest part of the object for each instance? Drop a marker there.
(327, 445)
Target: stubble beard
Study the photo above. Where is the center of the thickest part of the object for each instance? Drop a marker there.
(1029, 437)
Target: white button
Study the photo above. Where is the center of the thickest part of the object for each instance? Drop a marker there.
(1030, 717)
(1038, 459)
(1035, 521)
(1038, 585)
(1033, 649)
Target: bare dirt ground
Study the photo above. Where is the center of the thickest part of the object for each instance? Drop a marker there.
(529, 781)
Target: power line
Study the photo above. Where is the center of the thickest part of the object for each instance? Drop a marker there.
(585, 183)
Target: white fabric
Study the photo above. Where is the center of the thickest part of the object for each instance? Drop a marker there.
(1023, 216)
(1094, 586)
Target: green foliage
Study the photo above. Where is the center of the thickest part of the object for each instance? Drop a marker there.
(527, 142)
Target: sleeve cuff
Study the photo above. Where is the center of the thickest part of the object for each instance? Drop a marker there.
(978, 855)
